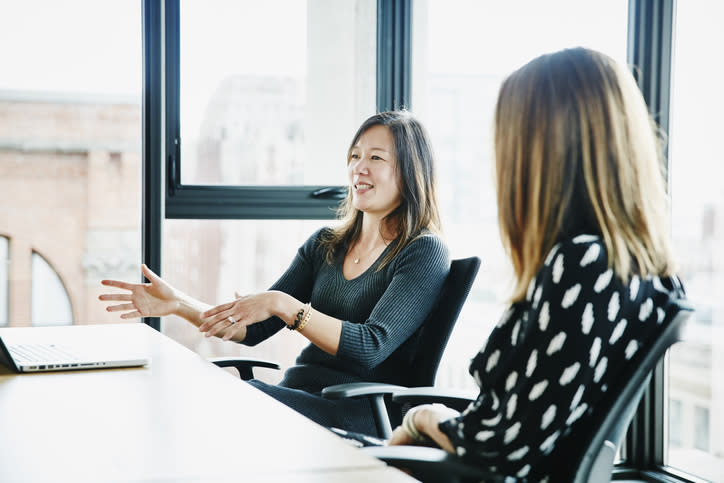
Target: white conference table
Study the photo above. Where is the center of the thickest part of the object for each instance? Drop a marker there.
(179, 419)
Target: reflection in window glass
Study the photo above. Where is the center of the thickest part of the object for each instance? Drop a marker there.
(701, 428)
(697, 162)
(50, 300)
(210, 260)
(70, 148)
(462, 51)
(676, 428)
(282, 95)
(4, 277)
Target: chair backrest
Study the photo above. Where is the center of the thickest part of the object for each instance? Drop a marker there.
(596, 452)
(436, 330)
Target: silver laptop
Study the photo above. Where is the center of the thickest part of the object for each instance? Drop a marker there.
(31, 349)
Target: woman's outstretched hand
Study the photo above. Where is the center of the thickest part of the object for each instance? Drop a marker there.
(232, 318)
(153, 299)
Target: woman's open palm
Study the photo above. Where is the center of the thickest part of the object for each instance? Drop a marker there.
(153, 299)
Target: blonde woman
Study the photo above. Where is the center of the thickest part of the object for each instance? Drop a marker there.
(357, 292)
(582, 210)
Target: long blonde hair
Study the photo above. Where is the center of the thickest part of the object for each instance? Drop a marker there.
(576, 151)
(418, 211)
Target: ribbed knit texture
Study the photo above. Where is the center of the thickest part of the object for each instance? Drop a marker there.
(380, 311)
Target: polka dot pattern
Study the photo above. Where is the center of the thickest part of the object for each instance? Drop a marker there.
(551, 358)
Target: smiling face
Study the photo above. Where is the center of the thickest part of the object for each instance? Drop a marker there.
(372, 174)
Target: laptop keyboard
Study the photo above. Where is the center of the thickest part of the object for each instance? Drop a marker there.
(40, 353)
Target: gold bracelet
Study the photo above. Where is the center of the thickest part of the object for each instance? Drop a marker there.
(306, 318)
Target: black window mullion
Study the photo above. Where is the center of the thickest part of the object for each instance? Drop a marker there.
(172, 71)
(394, 65)
(650, 47)
(254, 202)
(151, 212)
(650, 35)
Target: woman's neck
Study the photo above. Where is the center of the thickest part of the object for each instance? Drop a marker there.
(375, 231)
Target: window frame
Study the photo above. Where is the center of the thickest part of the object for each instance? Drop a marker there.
(164, 196)
(152, 128)
(193, 201)
(650, 39)
(650, 53)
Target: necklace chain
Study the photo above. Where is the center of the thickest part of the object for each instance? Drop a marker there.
(358, 257)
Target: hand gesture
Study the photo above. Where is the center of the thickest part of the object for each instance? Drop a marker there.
(232, 317)
(152, 299)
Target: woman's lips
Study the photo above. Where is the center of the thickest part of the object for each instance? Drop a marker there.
(362, 187)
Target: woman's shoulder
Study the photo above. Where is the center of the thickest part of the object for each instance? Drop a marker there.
(427, 244)
(426, 253)
(314, 244)
(319, 235)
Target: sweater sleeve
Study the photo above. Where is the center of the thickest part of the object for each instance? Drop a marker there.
(541, 364)
(296, 281)
(418, 274)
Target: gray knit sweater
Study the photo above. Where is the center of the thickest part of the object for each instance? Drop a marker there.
(381, 312)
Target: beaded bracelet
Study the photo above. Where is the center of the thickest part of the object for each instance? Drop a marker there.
(299, 317)
(306, 318)
(297, 320)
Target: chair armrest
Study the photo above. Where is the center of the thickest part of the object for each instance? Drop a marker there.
(375, 392)
(244, 365)
(453, 398)
(359, 389)
(432, 464)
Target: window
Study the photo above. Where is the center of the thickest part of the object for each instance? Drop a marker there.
(462, 51)
(50, 303)
(676, 427)
(696, 365)
(270, 99)
(212, 259)
(261, 106)
(701, 428)
(4, 277)
(267, 105)
(70, 123)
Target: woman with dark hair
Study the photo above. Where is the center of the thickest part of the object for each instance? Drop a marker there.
(583, 215)
(357, 291)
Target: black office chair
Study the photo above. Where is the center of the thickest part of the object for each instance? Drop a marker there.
(432, 339)
(591, 456)
(245, 365)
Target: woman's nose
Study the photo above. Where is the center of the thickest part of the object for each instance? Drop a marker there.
(360, 167)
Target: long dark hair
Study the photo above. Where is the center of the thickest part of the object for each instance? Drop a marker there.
(415, 169)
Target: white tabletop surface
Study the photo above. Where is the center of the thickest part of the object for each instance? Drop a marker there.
(179, 419)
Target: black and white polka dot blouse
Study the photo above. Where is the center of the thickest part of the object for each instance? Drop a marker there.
(551, 357)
